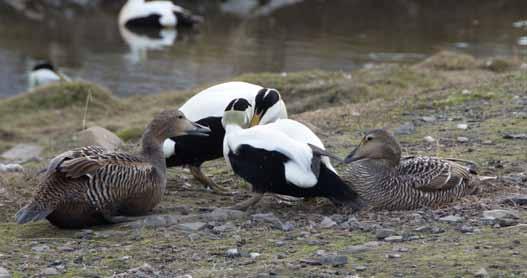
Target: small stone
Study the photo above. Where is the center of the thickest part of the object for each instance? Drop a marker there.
(279, 243)
(405, 129)
(50, 271)
(462, 139)
(40, 248)
(222, 214)
(393, 256)
(423, 229)
(327, 260)
(4, 273)
(254, 255)
(269, 218)
(195, 226)
(481, 273)
(224, 228)
(124, 258)
(66, 248)
(466, 229)
(500, 218)
(462, 126)
(501, 213)
(428, 119)
(354, 249)
(22, 152)
(487, 142)
(383, 233)
(451, 219)
(429, 139)
(520, 200)
(232, 253)
(520, 136)
(288, 226)
(97, 135)
(327, 223)
(360, 268)
(466, 92)
(155, 221)
(13, 168)
(394, 239)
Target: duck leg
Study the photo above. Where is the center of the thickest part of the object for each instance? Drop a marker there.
(206, 181)
(249, 202)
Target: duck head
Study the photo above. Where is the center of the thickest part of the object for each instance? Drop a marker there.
(268, 107)
(378, 145)
(173, 123)
(237, 113)
(44, 65)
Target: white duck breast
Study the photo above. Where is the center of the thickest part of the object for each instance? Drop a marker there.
(155, 14)
(42, 77)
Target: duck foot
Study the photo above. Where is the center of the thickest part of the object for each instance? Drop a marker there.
(256, 197)
(207, 182)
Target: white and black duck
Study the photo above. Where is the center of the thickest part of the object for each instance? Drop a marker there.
(157, 14)
(89, 186)
(45, 73)
(206, 108)
(386, 181)
(284, 157)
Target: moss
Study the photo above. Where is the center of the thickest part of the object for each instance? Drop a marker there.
(447, 60)
(130, 134)
(499, 64)
(460, 98)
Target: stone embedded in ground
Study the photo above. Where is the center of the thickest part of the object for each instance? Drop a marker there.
(49, 271)
(465, 229)
(481, 273)
(393, 255)
(327, 223)
(520, 200)
(423, 229)
(500, 218)
(462, 139)
(516, 178)
(406, 128)
(360, 268)
(354, 249)
(518, 136)
(194, 226)
(451, 219)
(254, 255)
(40, 248)
(428, 119)
(394, 239)
(145, 270)
(223, 214)
(97, 135)
(429, 139)
(327, 260)
(4, 273)
(268, 218)
(224, 228)
(462, 126)
(384, 233)
(13, 168)
(232, 253)
(22, 153)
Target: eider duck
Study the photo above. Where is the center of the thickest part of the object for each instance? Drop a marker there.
(88, 186)
(158, 14)
(45, 73)
(284, 157)
(385, 181)
(206, 108)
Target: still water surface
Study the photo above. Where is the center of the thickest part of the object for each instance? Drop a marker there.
(241, 36)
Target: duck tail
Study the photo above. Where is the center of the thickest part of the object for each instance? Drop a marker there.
(31, 212)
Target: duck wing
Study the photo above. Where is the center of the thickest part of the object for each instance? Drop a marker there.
(73, 154)
(432, 174)
(86, 165)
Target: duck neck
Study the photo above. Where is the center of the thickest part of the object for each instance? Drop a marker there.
(368, 175)
(153, 151)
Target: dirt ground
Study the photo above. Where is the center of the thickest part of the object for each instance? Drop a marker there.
(188, 235)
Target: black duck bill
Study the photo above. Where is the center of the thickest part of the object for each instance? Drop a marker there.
(196, 129)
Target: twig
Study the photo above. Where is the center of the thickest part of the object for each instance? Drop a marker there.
(88, 99)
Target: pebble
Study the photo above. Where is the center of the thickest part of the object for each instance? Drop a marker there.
(451, 219)
(4, 273)
(327, 260)
(195, 226)
(223, 214)
(22, 152)
(224, 228)
(405, 129)
(462, 126)
(519, 136)
(466, 229)
(50, 271)
(254, 255)
(423, 229)
(393, 256)
(462, 139)
(381, 234)
(232, 253)
(394, 239)
(429, 139)
(6, 168)
(360, 268)
(516, 178)
(481, 273)
(353, 249)
(500, 218)
(40, 248)
(327, 223)
(520, 200)
(428, 119)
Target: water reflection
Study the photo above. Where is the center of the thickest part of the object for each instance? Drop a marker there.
(248, 36)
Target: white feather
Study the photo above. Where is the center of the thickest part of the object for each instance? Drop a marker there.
(134, 9)
(169, 147)
(42, 77)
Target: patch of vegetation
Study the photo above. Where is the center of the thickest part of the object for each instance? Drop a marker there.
(447, 60)
(130, 134)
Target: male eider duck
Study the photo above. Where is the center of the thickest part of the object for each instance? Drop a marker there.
(284, 157)
(159, 14)
(45, 73)
(88, 186)
(206, 108)
(385, 181)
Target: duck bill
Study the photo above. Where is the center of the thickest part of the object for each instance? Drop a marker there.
(352, 156)
(198, 130)
(256, 119)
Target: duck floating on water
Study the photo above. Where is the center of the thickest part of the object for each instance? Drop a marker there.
(284, 157)
(158, 14)
(385, 181)
(88, 186)
(45, 73)
(206, 108)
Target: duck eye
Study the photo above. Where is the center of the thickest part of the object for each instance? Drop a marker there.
(180, 117)
(369, 138)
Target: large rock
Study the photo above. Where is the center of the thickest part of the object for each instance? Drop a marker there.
(502, 217)
(22, 152)
(97, 135)
(4, 273)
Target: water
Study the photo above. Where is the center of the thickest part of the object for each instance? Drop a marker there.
(239, 36)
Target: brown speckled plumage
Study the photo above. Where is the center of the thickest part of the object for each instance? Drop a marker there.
(385, 181)
(88, 186)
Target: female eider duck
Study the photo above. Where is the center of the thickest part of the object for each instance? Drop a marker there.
(206, 108)
(158, 14)
(45, 73)
(88, 186)
(385, 181)
(284, 157)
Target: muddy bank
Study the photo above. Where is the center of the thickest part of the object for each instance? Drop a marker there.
(469, 109)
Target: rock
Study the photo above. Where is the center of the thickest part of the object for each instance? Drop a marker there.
(354, 249)
(268, 218)
(327, 260)
(232, 253)
(154, 221)
(429, 139)
(288, 226)
(500, 217)
(23, 153)
(222, 214)
(516, 178)
(393, 256)
(428, 119)
(481, 273)
(462, 139)
(462, 126)
(327, 223)
(4, 273)
(423, 229)
(97, 135)
(519, 136)
(224, 228)
(49, 271)
(394, 239)
(405, 129)
(40, 248)
(84, 234)
(465, 229)
(520, 200)
(360, 268)
(352, 223)
(5, 168)
(195, 226)
(143, 271)
(451, 219)
(381, 234)
(254, 255)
